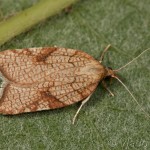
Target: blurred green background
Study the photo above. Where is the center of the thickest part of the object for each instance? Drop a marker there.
(105, 122)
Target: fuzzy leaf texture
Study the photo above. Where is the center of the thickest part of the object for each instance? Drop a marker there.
(105, 122)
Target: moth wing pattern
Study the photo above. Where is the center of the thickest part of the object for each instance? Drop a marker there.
(36, 79)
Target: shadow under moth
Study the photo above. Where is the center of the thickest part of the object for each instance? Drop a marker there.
(36, 79)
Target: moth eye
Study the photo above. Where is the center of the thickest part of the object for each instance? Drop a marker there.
(108, 78)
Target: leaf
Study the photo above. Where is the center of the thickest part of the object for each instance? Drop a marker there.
(105, 122)
(24, 20)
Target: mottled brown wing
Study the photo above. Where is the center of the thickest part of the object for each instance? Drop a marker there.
(46, 78)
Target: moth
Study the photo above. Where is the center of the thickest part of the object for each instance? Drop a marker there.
(36, 79)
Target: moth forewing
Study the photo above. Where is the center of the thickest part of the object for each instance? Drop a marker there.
(46, 78)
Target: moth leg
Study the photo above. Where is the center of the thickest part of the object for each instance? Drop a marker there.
(103, 53)
(83, 102)
(105, 86)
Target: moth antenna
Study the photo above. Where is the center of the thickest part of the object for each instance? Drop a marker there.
(131, 61)
(132, 96)
(103, 53)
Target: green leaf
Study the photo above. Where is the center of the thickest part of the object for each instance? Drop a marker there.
(24, 20)
(105, 122)
(1, 15)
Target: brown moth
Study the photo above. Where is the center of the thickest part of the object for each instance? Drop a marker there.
(36, 79)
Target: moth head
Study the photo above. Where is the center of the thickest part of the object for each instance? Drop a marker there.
(110, 72)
